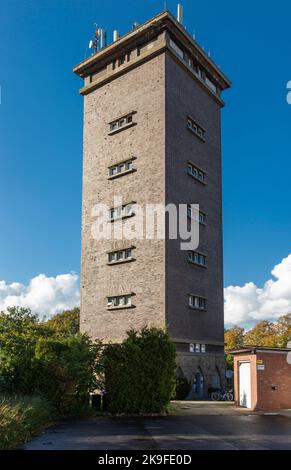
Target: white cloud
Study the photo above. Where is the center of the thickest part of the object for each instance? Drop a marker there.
(43, 295)
(244, 305)
(249, 304)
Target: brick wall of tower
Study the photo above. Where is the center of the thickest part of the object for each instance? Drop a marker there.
(208, 364)
(184, 96)
(142, 90)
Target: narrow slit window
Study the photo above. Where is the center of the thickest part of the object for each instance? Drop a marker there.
(121, 123)
(196, 128)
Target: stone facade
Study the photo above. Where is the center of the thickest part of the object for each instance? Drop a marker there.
(155, 82)
(185, 97)
(142, 90)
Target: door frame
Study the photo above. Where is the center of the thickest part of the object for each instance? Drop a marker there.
(250, 377)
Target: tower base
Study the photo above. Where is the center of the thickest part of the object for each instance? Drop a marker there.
(205, 373)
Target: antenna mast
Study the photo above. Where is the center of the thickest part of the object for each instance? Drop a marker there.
(100, 39)
(180, 13)
(93, 44)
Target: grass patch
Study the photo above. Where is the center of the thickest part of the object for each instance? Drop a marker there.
(21, 418)
(172, 408)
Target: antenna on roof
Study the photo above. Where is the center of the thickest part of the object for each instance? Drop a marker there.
(103, 38)
(115, 35)
(135, 25)
(100, 39)
(180, 12)
(209, 53)
(93, 43)
(165, 5)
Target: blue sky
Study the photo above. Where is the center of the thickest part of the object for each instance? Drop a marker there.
(41, 128)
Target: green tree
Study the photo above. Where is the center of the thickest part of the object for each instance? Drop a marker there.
(38, 359)
(282, 329)
(19, 332)
(234, 339)
(66, 323)
(69, 368)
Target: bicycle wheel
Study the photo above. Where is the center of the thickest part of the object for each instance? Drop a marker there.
(229, 396)
(215, 396)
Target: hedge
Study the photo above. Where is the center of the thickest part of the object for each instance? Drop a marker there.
(140, 372)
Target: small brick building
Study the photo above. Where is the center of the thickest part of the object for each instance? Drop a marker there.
(262, 378)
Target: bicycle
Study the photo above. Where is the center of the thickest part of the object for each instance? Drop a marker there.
(222, 395)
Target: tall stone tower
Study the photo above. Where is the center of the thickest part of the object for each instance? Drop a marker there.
(152, 135)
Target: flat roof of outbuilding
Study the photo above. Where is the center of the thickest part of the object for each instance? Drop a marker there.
(255, 349)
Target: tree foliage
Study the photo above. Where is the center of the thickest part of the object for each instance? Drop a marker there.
(35, 359)
(66, 323)
(140, 372)
(234, 337)
(264, 333)
(182, 389)
(282, 330)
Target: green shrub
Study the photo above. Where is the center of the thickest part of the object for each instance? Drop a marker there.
(68, 369)
(182, 389)
(140, 372)
(35, 359)
(21, 418)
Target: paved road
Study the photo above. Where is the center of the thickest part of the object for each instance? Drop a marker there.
(195, 426)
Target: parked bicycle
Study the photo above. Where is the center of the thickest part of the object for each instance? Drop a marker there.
(222, 395)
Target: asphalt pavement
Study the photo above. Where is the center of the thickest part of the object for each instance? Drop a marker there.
(193, 426)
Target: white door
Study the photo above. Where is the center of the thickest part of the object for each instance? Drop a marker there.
(245, 385)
